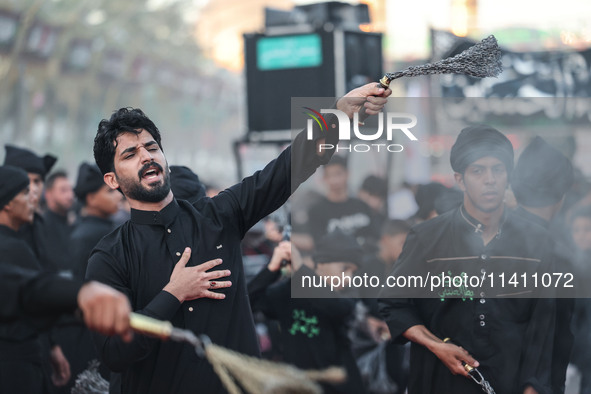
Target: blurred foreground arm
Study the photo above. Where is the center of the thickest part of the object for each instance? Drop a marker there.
(44, 294)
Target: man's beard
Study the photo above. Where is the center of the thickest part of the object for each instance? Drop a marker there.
(136, 191)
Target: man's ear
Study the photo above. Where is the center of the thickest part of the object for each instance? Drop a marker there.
(460, 181)
(111, 180)
(7, 208)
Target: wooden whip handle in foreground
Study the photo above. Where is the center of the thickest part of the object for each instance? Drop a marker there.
(150, 326)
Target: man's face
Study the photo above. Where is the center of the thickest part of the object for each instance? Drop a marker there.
(36, 186)
(483, 183)
(581, 231)
(335, 177)
(141, 170)
(21, 208)
(61, 195)
(105, 200)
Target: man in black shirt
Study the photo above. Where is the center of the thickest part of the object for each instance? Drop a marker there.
(59, 197)
(313, 330)
(509, 339)
(100, 202)
(337, 210)
(37, 167)
(25, 287)
(140, 257)
(37, 235)
(542, 177)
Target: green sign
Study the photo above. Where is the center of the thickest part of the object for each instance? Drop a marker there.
(276, 53)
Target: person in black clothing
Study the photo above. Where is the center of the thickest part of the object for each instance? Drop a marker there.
(34, 233)
(540, 181)
(313, 330)
(37, 168)
(374, 192)
(338, 210)
(426, 196)
(30, 293)
(142, 258)
(100, 202)
(508, 339)
(580, 231)
(394, 233)
(185, 184)
(27, 287)
(59, 197)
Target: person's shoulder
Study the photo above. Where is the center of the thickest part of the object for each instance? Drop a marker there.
(357, 202)
(320, 203)
(11, 244)
(437, 224)
(525, 226)
(113, 241)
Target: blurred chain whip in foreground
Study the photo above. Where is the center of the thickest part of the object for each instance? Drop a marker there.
(238, 371)
(480, 60)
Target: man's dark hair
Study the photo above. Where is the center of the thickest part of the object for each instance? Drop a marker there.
(124, 120)
(375, 186)
(54, 176)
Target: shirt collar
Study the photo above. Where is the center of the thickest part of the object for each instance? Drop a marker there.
(7, 231)
(164, 217)
(474, 225)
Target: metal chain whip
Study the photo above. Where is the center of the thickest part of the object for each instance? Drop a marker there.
(479, 379)
(480, 60)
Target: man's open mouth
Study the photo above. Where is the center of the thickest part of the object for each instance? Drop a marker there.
(152, 173)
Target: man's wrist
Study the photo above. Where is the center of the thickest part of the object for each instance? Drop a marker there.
(274, 266)
(174, 292)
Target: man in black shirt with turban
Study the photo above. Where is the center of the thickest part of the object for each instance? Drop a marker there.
(508, 339)
(542, 177)
(142, 258)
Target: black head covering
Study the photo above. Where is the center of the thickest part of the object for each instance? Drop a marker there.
(13, 180)
(185, 184)
(90, 179)
(336, 247)
(476, 142)
(542, 175)
(28, 161)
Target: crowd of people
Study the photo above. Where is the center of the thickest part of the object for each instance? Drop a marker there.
(134, 233)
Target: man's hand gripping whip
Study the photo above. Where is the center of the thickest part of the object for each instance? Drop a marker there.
(475, 374)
